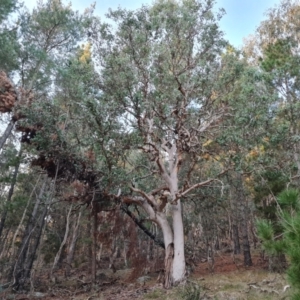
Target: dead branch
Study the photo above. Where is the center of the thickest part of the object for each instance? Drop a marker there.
(140, 224)
(203, 183)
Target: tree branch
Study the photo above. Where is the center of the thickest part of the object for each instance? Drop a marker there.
(139, 223)
(156, 191)
(203, 183)
(150, 198)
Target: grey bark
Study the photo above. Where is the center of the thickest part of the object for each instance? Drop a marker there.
(58, 254)
(236, 239)
(245, 237)
(94, 245)
(35, 245)
(71, 250)
(10, 193)
(6, 133)
(19, 267)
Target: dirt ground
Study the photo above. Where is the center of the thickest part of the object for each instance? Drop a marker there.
(227, 279)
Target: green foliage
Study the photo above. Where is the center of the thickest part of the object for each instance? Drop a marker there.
(279, 55)
(274, 181)
(8, 37)
(288, 241)
(265, 230)
(48, 33)
(191, 291)
(51, 247)
(158, 68)
(289, 199)
(149, 58)
(6, 7)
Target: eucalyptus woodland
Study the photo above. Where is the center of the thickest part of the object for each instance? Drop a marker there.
(44, 36)
(159, 67)
(274, 48)
(144, 115)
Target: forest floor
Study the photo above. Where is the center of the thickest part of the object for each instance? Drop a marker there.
(228, 280)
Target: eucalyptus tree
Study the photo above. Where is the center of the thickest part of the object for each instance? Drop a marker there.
(244, 141)
(8, 55)
(8, 37)
(275, 49)
(45, 35)
(159, 66)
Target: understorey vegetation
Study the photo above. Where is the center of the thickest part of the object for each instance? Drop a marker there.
(145, 142)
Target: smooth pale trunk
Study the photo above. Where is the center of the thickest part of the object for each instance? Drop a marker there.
(168, 241)
(166, 229)
(178, 271)
(173, 240)
(178, 268)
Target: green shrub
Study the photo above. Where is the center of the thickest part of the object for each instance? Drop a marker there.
(191, 291)
(285, 239)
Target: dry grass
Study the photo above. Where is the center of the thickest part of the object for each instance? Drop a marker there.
(238, 285)
(230, 282)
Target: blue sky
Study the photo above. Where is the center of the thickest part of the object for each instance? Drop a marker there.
(241, 19)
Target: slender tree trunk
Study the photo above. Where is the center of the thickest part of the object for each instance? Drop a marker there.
(5, 241)
(217, 243)
(113, 254)
(236, 239)
(10, 192)
(23, 218)
(6, 133)
(234, 217)
(244, 214)
(126, 244)
(244, 228)
(252, 229)
(246, 247)
(89, 245)
(18, 270)
(36, 267)
(71, 251)
(58, 254)
(94, 246)
(35, 245)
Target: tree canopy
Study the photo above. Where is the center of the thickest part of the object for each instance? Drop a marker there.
(150, 114)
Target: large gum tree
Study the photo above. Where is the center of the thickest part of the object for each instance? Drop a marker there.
(160, 67)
